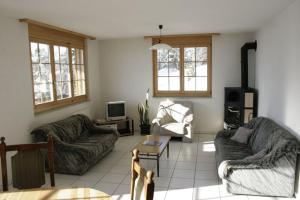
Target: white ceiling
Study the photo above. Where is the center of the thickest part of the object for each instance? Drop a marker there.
(131, 18)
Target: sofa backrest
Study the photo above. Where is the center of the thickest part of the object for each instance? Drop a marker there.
(67, 130)
(268, 134)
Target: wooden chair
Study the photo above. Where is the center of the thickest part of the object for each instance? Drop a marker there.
(28, 165)
(142, 184)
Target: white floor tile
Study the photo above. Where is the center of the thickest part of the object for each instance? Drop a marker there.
(187, 158)
(188, 174)
(120, 169)
(121, 197)
(63, 183)
(183, 173)
(186, 151)
(235, 197)
(160, 193)
(200, 193)
(207, 184)
(66, 176)
(206, 166)
(162, 182)
(122, 190)
(179, 183)
(108, 188)
(86, 183)
(167, 164)
(164, 172)
(113, 178)
(209, 174)
(126, 180)
(179, 194)
(185, 165)
(91, 176)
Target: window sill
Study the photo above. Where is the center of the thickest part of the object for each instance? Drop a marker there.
(182, 94)
(59, 104)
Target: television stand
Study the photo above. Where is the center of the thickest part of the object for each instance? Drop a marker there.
(124, 126)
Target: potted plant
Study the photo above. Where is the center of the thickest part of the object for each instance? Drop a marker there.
(144, 116)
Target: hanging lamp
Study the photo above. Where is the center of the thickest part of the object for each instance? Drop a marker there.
(159, 45)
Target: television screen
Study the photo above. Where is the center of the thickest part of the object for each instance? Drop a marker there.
(116, 110)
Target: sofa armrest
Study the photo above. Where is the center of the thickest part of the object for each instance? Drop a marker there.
(260, 160)
(104, 130)
(227, 167)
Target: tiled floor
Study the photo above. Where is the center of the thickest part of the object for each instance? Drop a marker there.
(188, 174)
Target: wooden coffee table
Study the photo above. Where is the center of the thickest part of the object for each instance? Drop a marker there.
(149, 152)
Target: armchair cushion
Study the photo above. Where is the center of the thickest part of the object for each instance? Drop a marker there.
(174, 128)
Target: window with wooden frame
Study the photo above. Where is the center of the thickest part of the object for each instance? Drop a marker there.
(186, 69)
(59, 71)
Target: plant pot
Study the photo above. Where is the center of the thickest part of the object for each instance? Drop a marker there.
(145, 129)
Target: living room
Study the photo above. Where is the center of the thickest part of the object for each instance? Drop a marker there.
(119, 67)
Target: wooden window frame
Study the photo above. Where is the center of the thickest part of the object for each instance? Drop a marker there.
(182, 42)
(40, 33)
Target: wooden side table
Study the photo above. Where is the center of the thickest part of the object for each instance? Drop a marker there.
(124, 126)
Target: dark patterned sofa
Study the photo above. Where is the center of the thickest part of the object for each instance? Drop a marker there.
(78, 144)
(264, 166)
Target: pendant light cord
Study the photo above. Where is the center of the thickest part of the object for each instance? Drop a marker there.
(160, 28)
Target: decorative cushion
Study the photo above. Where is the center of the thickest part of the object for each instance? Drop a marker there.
(242, 135)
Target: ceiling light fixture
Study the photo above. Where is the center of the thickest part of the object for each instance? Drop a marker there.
(159, 45)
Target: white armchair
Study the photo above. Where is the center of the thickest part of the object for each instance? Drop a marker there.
(174, 118)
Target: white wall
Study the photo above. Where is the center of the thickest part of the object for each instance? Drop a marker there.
(278, 70)
(126, 73)
(17, 118)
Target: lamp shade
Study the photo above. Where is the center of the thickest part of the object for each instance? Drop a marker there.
(160, 46)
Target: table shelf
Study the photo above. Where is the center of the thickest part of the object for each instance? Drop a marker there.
(124, 126)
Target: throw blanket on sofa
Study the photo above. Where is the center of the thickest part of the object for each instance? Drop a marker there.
(270, 147)
(78, 144)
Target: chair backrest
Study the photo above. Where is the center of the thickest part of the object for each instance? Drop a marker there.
(142, 184)
(180, 111)
(28, 165)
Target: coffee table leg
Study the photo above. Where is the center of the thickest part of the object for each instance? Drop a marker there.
(157, 165)
(168, 150)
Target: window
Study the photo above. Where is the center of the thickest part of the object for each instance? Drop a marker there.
(168, 76)
(185, 70)
(58, 67)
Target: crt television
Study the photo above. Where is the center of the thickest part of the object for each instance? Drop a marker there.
(115, 110)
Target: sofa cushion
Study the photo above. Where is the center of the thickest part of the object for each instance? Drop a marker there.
(242, 135)
(95, 144)
(227, 149)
